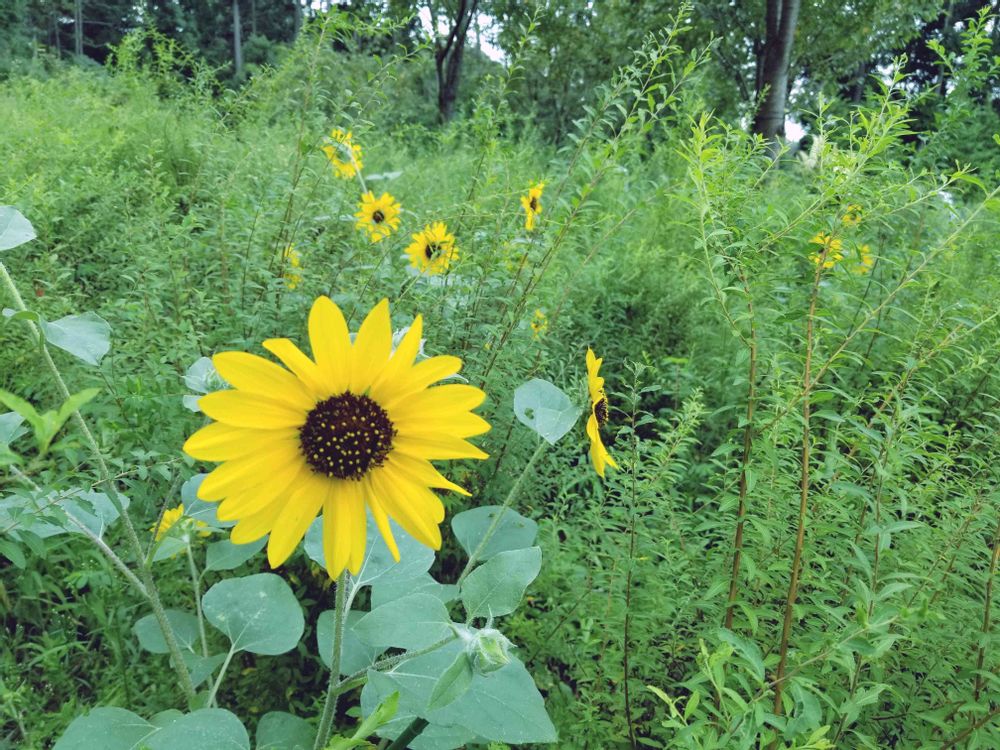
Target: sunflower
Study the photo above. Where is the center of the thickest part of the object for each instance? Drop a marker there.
(830, 255)
(292, 276)
(344, 154)
(532, 205)
(599, 455)
(433, 249)
(378, 216)
(357, 425)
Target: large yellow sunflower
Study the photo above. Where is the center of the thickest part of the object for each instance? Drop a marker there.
(357, 425)
(378, 216)
(532, 205)
(344, 154)
(599, 455)
(433, 249)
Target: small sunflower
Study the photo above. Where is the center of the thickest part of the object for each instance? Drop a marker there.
(291, 274)
(599, 455)
(852, 215)
(830, 255)
(433, 249)
(867, 261)
(356, 426)
(170, 518)
(377, 216)
(344, 154)
(532, 205)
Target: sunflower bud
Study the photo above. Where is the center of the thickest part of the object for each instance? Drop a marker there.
(488, 649)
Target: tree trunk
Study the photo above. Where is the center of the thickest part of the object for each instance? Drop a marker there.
(253, 17)
(298, 17)
(782, 18)
(237, 40)
(78, 28)
(448, 58)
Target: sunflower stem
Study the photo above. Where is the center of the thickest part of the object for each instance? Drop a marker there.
(196, 586)
(145, 576)
(409, 734)
(511, 496)
(332, 692)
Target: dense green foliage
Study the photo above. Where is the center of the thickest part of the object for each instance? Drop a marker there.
(763, 406)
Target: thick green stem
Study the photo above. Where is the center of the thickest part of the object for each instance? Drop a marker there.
(409, 734)
(145, 576)
(511, 496)
(332, 692)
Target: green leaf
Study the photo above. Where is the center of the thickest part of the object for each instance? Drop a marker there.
(201, 667)
(415, 621)
(94, 510)
(10, 427)
(514, 531)
(496, 587)
(383, 593)
(278, 730)
(14, 228)
(87, 336)
(258, 613)
(184, 625)
(453, 684)
(224, 555)
(56, 420)
(544, 408)
(355, 654)
(23, 409)
(207, 729)
(107, 729)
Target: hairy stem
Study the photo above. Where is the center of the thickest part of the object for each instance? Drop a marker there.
(332, 693)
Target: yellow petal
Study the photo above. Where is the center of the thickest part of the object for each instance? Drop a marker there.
(460, 424)
(298, 512)
(423, 472)
(371, 348)
(243, 409)
(400, 363)
(421, 375)
(245, 473)
(254, 374)
(358, 530)
(303, 367)
(277, 484)
(443, 398)
(222, 442)
(338, 507)
(331, 344)
(440, 447)
(252, 528)
(382, 521)
(397, 497)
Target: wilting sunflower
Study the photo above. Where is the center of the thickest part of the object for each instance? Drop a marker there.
(377, 216)
(356, 426)
(599, 455)
(344, 154)
(433, 249)
(532, 205)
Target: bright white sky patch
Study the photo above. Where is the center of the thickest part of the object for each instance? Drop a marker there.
(487, 33)
(793, 131)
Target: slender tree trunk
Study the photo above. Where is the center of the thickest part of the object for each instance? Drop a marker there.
(78, 27)
(448, 57)
(298, 17)
(782, 19)
(237, 40)
(253, 17)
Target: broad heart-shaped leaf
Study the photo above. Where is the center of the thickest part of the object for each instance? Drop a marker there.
(224, 555)
(106, 728)
(390, 590)
(355, 654)
(415, 621)
(201, 667)
(184, 625)
(496, 587)
(259, 613)
(503, 706)
(514, 531)
(94, 510)
(86, 336)
(545, 409)
(207, 729)
(453, 683)
(14, 228)
(278, 730)
(201, 377)
(378, 565)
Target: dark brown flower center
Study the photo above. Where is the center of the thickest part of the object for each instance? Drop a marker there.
(534, 204)
(345, 436)
(432, 250)
(601, 412)
(378, 217)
